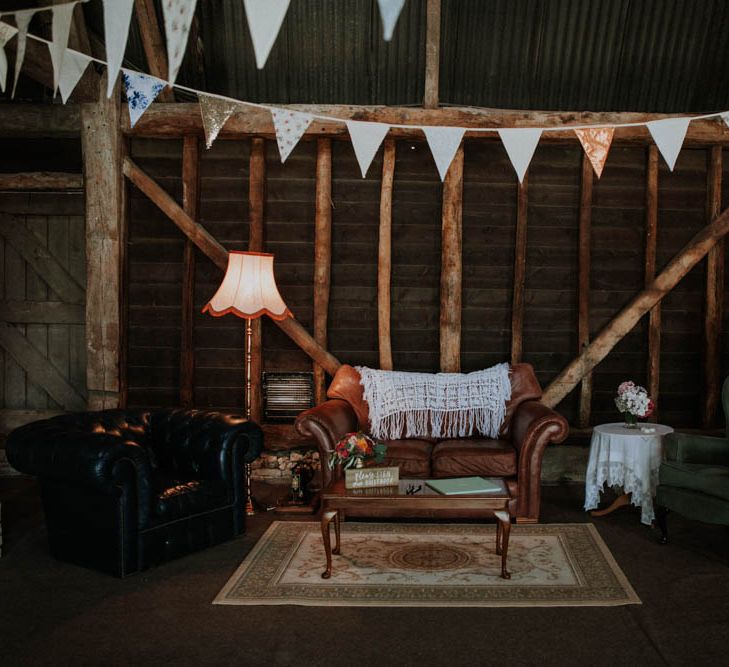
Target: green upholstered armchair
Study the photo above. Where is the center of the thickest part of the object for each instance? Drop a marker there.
(694, 478)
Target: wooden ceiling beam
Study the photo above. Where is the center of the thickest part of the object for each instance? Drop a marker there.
(432, 55)
(154, 46)
(165, 120)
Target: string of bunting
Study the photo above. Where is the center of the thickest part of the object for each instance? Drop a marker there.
(290, 125)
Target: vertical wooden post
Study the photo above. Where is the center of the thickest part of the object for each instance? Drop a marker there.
(651, 240)
(384, 257)
(432, 54)
(714, 311)
(190, 204)
(256, 209)
(451, 267)
(322, 255)
(517, 305)
(583, 286)
(103, 149)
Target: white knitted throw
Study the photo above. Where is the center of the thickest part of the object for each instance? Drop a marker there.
(442, 405)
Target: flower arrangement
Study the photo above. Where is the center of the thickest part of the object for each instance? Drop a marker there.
(354, 448)
(633, 401)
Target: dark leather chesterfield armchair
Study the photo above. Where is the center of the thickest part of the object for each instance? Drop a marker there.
(124, 490)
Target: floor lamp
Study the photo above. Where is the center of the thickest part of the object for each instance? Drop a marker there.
(249, 291)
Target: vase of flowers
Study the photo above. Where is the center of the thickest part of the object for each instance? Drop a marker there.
(634, 403)
(354, 448)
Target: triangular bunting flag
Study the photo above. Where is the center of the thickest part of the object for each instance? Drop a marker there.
(74, 66)
(669, 135)
(389, 12)
(141, 91)
(215, 112)
(62, 15)
(264, 21)
(443, 142)
(178, 16)
(290, 126)
(725, 117)
(117, 14)
(22, 21)
(520, 144)
(596, 144)
(366, 139)
(7, 32)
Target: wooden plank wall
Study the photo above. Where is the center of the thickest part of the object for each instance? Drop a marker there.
(550, 327)
(55, 329)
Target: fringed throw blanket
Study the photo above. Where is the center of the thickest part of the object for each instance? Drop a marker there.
(442, 405)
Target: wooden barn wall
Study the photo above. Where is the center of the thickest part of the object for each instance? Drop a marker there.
(489, 212)
(51, 224)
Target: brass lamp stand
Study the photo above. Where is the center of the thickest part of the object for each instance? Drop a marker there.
(249, 291)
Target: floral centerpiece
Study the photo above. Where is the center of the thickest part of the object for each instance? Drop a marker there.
(352, 450)
(633, 401)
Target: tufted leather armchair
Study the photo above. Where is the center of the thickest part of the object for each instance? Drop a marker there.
(124, 490)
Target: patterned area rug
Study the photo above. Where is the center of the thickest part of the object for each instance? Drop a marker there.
(430, 565)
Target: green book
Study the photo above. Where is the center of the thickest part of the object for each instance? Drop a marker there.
(463, 486)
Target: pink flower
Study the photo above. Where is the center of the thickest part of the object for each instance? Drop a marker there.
(625, 386)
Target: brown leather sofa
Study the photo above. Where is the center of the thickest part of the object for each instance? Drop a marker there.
(516, 455)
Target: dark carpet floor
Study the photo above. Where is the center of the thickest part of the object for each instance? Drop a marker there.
(57, 614)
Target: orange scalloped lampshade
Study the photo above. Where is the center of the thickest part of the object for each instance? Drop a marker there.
(248, 289)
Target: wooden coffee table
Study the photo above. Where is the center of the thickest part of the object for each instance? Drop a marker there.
(336, 500)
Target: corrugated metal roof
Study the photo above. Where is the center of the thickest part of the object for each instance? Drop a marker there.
(597, 55)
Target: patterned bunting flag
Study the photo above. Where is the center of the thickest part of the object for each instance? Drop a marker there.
(290, 127)
(62, 15)
(7, 32)
(215, 112)
(178, 16)
(117, 15)
(22, 21)
(669, 134)
(74, 66)
(520, 144)
(389, 12)
(141, 90)
(443, 142)
(264, 21)
(366, 140)
(596, 144)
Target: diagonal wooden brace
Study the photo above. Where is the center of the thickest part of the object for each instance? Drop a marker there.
(219, 256)
(692, 253)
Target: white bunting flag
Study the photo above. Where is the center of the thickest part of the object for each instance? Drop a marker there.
(178, 16)
(443, 142)
(389, 12)
(264, 21)
(117, 15)
(62, 15)
(22, 21)
(141, 90)
(7, 32)
(669, 135)
(366, 140)
(74, 66)
(290, 127)
(520, 144)
(215, 112)
(725, 117)
(596, 144)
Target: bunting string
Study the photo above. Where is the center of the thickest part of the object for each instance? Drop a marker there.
(290, 124)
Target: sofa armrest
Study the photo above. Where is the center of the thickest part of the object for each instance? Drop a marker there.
(326, 424)
(534, 426)
(690, 448)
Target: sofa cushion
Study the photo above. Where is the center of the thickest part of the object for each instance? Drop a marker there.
(411, 455)
(710, 479)
(177, 498)
(473, 456)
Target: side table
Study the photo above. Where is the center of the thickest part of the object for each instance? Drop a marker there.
(627, 457)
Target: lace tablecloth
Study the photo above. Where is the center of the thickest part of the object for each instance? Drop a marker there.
(628, 458)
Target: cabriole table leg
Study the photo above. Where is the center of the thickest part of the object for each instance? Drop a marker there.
(326, 519)
(503, 528)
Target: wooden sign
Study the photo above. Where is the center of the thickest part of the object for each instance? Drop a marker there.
(364, 478)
